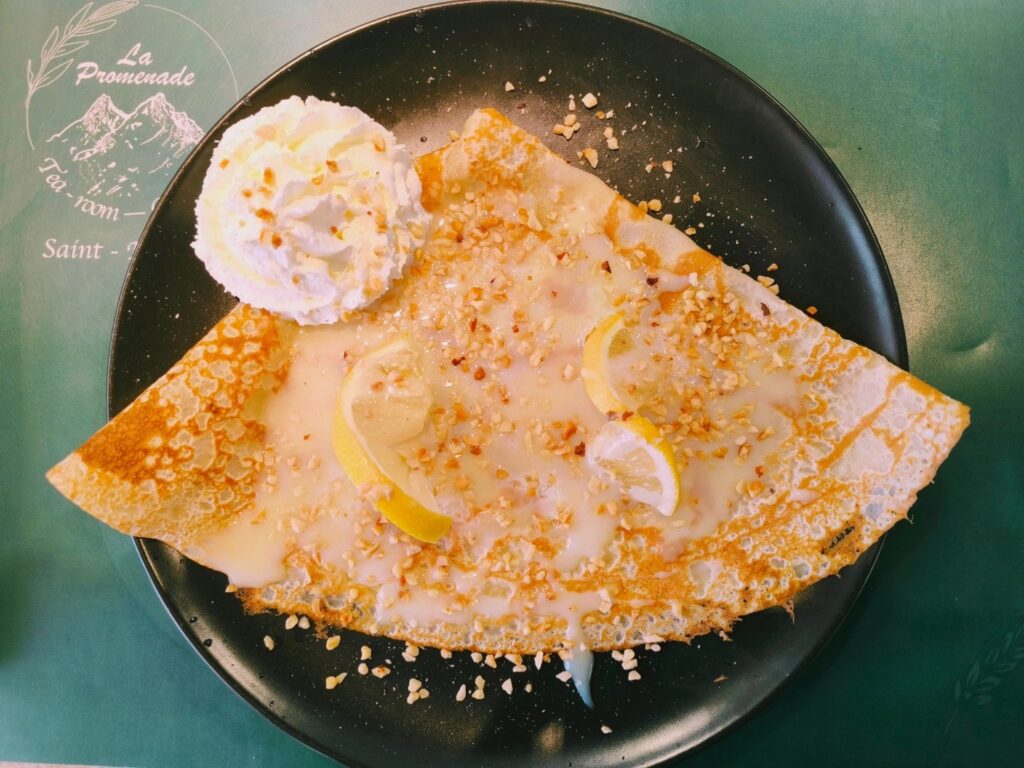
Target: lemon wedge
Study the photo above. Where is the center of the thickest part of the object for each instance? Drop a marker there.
(607, 342)
(383, 402)
(635, 455)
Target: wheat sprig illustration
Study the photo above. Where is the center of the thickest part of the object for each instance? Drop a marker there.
(989, 670)
(54, 58)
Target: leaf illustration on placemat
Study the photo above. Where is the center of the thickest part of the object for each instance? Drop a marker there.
(991, 669)
(54, 57)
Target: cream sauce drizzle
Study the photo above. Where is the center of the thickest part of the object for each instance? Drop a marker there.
(305, 500)
(581, 667)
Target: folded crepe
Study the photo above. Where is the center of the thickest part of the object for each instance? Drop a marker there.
(796, 449)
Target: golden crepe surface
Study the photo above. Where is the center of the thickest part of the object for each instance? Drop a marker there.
(797, 449)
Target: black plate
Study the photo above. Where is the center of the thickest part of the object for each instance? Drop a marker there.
(768, 194)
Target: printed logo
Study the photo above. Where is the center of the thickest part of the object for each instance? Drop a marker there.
(114, 150)
(55, 58)
(115, 100)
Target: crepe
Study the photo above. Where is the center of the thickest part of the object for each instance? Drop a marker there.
(797, 449)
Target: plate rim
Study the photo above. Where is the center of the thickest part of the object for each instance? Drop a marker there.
(869, 558)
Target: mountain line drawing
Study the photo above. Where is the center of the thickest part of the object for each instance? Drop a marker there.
(115, 150)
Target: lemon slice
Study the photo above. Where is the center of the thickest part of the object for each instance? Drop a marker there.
(634, 453)
(607, 342)
(383, 402)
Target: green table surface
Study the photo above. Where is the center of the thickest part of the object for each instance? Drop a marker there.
(921, 105)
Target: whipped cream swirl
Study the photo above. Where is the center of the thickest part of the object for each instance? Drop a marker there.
(310, 210)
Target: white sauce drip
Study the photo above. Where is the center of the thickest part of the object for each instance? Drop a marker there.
(581, 666)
